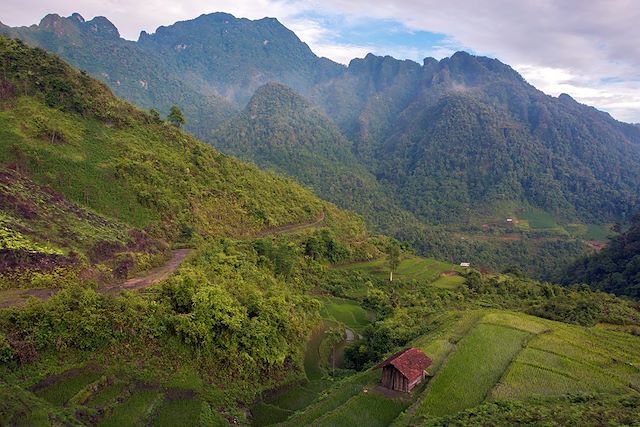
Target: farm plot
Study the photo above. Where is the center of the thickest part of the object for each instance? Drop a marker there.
(346, 312)
(472, 370)
(60, 389)
(449, 282)
(365, 409)
(572, 359)
(410, 268)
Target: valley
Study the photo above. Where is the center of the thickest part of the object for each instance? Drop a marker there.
(396, 141)
(296, 232)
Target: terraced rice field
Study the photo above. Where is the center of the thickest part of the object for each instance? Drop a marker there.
(119, 401)
(478, 356)
(280, 405)
(503, 355)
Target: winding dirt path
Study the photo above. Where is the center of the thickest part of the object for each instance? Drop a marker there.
(18, 297)
(152, 277)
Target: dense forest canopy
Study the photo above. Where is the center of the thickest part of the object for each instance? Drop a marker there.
(615, 269)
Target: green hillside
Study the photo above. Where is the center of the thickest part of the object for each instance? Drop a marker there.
(615, 269)
(131, 72)
(95, 191)
(430, 153)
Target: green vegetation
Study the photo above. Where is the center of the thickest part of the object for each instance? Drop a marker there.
(370, 409)
(537, 219)
(109, 141)
(410, 268)
(615, 269)
(449, 282)
(175, 411)
(346, 312)
(60, 392)
(579, 409)
(473, 369)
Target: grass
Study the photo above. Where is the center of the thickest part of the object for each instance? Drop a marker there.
(346, 312)
(410, 268)
(134, 411)
(449, 282)
(264, 414)
(178, 412)
(539, 220)
(312, 365)
(334, 398)
(572, 359)
(295, 398)
(107, 395)
(473, 369)
(60, 392)
(365, 409)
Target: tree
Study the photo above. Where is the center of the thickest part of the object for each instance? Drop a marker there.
(393, 258)
(155, 115)
(175, 117)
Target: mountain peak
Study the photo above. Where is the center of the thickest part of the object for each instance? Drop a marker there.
(102, 26)
(564, 97)
(273, 94)
(50, 20)
(77, 17)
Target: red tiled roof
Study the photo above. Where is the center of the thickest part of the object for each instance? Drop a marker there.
(410, 362)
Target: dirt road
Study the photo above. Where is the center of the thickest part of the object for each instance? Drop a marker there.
(16, 297)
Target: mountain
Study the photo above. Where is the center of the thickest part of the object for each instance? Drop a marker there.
(457, 135)
(232, 57)
(438, 154)
(84, 174)
(132, 73)
(615, 269)
(281, 130)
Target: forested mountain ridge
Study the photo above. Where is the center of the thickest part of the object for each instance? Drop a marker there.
(281, 130)
(615, 269)
(137, 75)
(469, 131)
(458, 143)
(232, 56)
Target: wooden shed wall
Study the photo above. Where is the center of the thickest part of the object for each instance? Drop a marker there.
(394, 380)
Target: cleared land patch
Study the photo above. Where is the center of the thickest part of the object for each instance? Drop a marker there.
(410, 268)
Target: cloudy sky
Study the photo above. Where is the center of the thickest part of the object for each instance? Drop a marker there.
(588, 49)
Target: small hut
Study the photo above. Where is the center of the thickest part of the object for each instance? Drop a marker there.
(404, 370)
